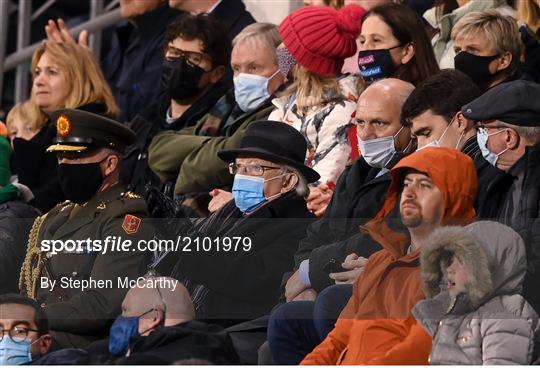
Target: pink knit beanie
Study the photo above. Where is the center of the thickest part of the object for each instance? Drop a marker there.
(320, 37)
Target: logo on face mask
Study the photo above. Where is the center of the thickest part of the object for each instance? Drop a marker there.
(376, 64)
(251, 90)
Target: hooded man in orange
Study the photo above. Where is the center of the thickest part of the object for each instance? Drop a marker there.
(433, 187)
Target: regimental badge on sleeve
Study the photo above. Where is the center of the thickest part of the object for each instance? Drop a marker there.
(131, 224)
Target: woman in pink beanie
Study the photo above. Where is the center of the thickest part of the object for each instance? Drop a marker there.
(320, 101)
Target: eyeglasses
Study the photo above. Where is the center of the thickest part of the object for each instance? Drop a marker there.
(17, 333)
(193, 58)
(486, 127)
(250, 169)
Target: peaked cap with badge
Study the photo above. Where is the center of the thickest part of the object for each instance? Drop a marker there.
(78, 131)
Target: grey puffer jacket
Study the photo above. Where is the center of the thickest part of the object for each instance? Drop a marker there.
(490, 323)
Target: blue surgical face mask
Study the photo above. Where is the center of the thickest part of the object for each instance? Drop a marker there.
(248, 191)
(482, 137)
(251, 90)
(122, 330)
(15, 353)
(379, 151)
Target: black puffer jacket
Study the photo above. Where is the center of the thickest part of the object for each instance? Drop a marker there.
(16, 219)
(358, 197)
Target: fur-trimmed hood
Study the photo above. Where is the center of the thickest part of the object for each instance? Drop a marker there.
(493, 253)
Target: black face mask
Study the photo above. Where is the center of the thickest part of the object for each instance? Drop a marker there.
(376, 64)
(180, 79)
(476, 67)
(28, 159)
(80, 182)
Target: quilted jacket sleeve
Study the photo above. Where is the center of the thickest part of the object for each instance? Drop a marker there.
(507, 341)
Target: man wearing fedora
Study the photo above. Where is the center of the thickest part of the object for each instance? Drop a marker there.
(241, 281)
(76, 280)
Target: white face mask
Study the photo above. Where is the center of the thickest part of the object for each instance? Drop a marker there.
(437, 142)
(379, 151)
(482, 138)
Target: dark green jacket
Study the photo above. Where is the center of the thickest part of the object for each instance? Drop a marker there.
(192, 160)
(79, 317)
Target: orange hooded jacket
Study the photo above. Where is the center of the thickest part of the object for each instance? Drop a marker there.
(376, 326)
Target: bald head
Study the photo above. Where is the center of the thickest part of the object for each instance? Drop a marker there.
(391, 89)
(379, 109)
(158, 301)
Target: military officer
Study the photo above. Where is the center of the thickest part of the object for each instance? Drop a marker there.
(74, 265)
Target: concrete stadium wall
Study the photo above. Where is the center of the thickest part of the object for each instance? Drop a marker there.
(272, 11)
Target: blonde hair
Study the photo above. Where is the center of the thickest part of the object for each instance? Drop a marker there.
(86, 81)
(529, 13)
(29, 113)
(311, 89)
(336, 4)
(500, 30)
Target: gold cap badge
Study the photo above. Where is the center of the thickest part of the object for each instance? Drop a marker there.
(63, 126)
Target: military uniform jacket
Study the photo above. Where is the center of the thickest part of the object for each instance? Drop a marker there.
(78, 316)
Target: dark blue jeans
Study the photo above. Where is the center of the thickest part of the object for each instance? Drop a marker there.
(296, 328)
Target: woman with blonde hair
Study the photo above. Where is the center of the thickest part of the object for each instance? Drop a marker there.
(528, 17)
(336, 4)
(321, 100)
(444, 15)
(68, 76)
(64, 76)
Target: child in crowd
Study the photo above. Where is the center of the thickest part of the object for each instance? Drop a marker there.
(321, 100)
(472, 280)
(24, 121)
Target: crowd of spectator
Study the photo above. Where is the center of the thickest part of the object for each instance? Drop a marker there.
(359, 184)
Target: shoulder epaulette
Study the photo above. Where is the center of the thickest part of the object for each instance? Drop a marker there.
(130, 195)
(62, 205)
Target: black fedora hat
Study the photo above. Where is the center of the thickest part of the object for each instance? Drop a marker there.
(274, 141)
